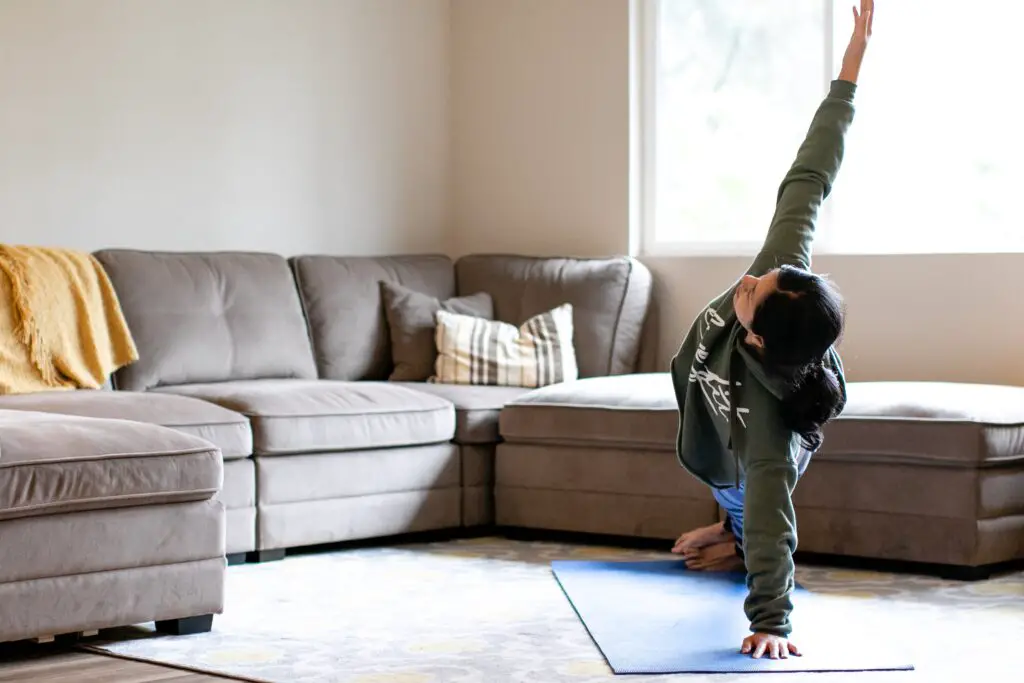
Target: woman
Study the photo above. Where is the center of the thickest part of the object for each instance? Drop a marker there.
(757, 378)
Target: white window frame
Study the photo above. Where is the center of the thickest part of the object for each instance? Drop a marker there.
(644, 58)
(643, 158)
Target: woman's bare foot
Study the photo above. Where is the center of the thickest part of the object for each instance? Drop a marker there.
(701, 538)
(720, 557)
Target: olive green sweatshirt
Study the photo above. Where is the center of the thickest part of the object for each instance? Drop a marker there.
(730, 428)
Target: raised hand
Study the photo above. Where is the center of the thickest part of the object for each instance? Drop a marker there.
(862, 23)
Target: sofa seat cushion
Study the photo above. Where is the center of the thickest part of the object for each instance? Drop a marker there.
(633, 411)
(63, 463)
(224, 428)
(916, 423)
(929, 423)
(307, 416)
(476, 408)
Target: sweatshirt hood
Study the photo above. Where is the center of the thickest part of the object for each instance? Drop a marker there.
(780, 386)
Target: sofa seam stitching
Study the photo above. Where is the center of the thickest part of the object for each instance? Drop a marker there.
(106, 499)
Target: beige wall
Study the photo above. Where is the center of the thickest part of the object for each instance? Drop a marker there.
(954, 318)
(306, 126)
(283, 125)
(540, 121)
(541, 139)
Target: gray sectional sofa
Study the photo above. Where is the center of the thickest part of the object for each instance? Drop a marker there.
(301, 350)
(262, 409)
(265, 414)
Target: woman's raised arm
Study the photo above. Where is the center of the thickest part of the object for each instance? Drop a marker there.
(809, 180)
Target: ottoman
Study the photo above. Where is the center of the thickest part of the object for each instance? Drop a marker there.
(597, 456)
(921, 472)
(926, 472)
(106, 523)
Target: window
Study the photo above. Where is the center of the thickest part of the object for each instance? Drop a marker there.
(933, 159)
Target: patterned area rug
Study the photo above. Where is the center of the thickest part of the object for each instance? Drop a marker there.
(490, 611)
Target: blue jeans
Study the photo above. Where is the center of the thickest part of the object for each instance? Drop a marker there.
(731, 499)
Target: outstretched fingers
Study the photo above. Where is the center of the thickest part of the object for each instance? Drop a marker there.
(864, 18)
(759, 645)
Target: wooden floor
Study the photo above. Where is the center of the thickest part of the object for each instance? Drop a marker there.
(49, 664)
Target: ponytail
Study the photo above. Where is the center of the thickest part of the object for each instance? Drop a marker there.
(799, 323)
(818, 398)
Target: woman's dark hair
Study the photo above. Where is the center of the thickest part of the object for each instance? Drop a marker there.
(799, 322)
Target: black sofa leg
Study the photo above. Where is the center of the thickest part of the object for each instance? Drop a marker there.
(260, 556)
(186, 627)
(236, 558)
(968, 574)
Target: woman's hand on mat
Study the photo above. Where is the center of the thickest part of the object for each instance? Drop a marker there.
(759, 644)
(862, 22)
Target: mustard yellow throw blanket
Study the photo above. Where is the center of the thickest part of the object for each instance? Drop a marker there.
(61, 325)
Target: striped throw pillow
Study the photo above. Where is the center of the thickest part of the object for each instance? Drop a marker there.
(473, 350)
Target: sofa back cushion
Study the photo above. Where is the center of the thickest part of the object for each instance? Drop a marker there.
(342, 299)
(209, 317)
(610, 298)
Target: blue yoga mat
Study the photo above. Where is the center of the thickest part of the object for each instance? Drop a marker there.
(660, 618)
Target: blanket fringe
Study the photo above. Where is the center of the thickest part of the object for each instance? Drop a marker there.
(26, 328)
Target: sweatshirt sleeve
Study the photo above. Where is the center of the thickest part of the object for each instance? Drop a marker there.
(769, 541)
(808, 182)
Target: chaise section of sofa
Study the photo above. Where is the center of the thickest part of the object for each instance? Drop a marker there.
(229, 431)
(922, 472)
(106, 523)
(929, 472)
